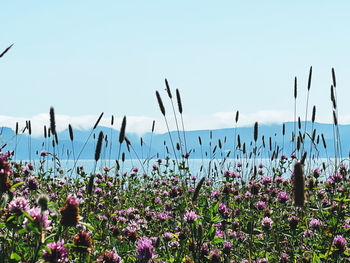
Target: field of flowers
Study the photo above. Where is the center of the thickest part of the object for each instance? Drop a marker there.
(169, 215)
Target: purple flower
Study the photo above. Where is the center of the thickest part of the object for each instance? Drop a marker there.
(175, 180)
(174, 244)
(222, 208)
(41, 220)
(32, 183)
(43, 153)
(284, 258)
(266, 180)
(248, 195)
(227, 247)
(316, 172)
(214, 256)
(18, 205)
(283, 197)
(308, 233)
(110, 257)
(336, 178)
(223, 211)
(26, 170)
(266, 223)
(162, 216)
(145, 250)
(263, 260)
(283, 157)
(339, 242)
(279, 179)
(190, 216)
(261, 205)
(58, 253)
(168, 236)
(315, 223)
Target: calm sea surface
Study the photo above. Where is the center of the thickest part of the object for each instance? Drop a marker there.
(197, 167)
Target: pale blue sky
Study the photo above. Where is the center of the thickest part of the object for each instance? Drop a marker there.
(85, 57)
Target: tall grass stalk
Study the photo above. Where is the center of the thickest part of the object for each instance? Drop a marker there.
(162, 109)
(121, 135)
(86, 141)
(307, 107)
(111, 142)
(175, 117)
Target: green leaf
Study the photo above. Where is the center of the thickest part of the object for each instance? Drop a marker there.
(28, 216)
(215, 219)
(22, 231)
(15, 256)
(10, 218)
(16, 185)
(218, 240)
(90, 227)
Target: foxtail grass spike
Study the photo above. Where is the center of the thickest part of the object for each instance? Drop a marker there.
(179, 103)
(313, 114)
(168, 89)
(198, 188)
(5, 51)
(45, 131)
(263, 141)
(98, 121)
(237, 116)
(256, 131)
(29, 128)
(303, 158)
(153, 124)
(335, 120)
(299, 185)
(117, 165)
(122, 130)
(309, 81)
(160, 103)
(112, 120)
(71, 135)
(52, 121)
(333, 98)
(295, 88)
(16, 128)
(98, 146)
(333, 78)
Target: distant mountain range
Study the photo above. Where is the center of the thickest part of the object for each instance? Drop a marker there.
(154, 145)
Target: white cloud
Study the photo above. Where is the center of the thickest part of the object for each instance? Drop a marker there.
(143, 124)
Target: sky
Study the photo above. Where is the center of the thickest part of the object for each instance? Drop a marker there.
(87, 57)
